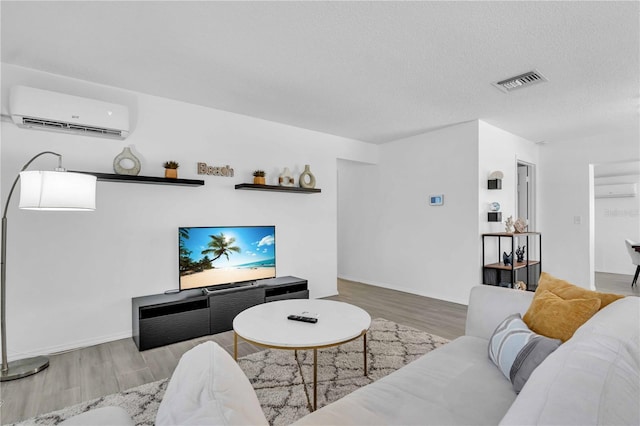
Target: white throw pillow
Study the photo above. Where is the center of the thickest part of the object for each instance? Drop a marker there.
(208, 387)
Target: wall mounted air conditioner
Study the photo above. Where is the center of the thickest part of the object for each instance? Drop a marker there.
(46, 110)
(620, 190)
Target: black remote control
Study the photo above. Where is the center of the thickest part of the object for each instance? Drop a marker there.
(303, 319)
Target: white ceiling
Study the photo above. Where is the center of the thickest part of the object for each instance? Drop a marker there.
(373, 71)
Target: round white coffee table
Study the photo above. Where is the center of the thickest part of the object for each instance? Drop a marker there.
(267, 325)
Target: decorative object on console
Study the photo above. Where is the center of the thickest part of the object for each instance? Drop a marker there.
(520, 225)
(507, 259)
(508, 225)
(171, 169)
(306, 174)
(520, 253)
(258, 177)
(124, 158)
(56, 191)
(286, 178)
(520, 285)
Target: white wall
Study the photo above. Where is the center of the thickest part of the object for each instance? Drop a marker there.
(564, 179)
(616, 219)
(71, 276)
(390, 235)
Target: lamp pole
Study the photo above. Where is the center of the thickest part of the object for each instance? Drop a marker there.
(24, 367)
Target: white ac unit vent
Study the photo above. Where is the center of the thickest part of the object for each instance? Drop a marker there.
(45, 110)
(520, 81)
(621, 190)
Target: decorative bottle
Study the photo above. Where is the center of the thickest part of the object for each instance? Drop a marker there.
(285, 178)
(307, 175)
(125, 155)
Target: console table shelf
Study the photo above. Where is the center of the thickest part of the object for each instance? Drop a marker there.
(517, 265)
(507, 275)
(110, 177)
(277, 188)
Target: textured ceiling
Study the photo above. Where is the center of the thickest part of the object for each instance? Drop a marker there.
(373, 71)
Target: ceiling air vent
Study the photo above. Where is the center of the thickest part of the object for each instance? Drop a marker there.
(520, 81)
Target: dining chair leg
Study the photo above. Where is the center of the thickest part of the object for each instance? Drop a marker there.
(635, 277)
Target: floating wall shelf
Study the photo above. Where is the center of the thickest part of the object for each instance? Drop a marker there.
(109, 177)
(494, 184)
(277, 188)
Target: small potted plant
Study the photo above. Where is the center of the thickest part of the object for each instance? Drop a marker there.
(171, 169)
(258, 177)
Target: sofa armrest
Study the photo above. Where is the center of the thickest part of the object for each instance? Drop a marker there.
(489, 305)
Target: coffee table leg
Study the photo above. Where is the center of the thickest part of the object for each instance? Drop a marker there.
(235, 346)
(364, 338)
(315, 379)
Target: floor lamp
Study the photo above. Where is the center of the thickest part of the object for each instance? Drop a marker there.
(41, 190)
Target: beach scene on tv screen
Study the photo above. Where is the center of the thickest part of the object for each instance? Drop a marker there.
(212, 256)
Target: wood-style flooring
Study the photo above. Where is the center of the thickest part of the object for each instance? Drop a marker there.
(100, 370)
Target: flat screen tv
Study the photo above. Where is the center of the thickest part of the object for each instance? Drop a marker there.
(215, 256)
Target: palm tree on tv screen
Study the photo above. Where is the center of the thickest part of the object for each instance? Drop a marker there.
(220, 245)
(185, 253)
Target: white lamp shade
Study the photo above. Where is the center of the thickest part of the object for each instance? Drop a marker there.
(40, 190)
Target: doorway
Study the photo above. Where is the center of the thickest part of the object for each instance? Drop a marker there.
(525, 196)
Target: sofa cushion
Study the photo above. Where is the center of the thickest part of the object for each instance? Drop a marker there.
(568, 291)
(208, 387)
(517, 351)
(592, 379)
(454, 384)
(554, 317)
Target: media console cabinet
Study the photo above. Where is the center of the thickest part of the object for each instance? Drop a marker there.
(162, 319)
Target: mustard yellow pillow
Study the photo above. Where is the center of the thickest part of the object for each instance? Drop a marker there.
(554, 317)
(568, 291)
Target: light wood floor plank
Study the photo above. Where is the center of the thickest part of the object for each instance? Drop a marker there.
(135, 378)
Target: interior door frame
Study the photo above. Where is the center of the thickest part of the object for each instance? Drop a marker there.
(531, 196)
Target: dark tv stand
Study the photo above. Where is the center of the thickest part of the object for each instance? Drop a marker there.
(162, 319)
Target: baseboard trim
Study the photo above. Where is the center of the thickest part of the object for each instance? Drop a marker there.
(397, 288)
(70, 346)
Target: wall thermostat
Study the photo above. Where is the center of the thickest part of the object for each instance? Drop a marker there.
(436, 200)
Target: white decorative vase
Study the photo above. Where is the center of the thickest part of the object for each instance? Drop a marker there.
(285, 178)
(125, 155)
(307, 179)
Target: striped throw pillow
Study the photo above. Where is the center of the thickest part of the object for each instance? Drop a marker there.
(517, 351)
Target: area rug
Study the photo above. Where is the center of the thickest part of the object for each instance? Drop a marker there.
(284, 384)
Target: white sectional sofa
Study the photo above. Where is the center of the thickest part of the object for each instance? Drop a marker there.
(593, 378)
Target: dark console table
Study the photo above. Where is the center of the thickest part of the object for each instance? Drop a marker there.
(162, 319)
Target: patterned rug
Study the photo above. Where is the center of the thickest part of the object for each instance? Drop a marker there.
(283, 384)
